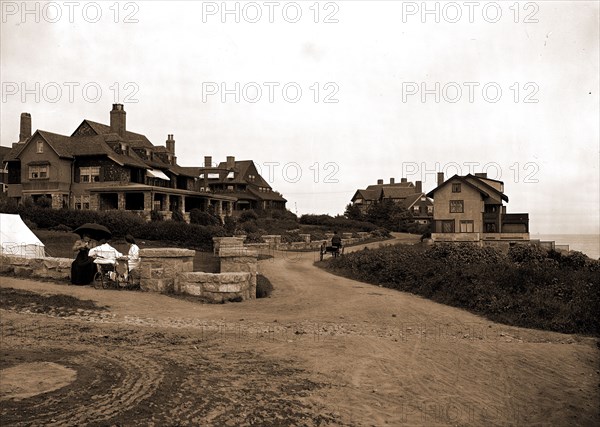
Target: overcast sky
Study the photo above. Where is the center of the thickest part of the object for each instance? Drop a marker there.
(519, 99)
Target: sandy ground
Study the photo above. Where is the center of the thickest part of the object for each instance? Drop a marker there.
(323, 350)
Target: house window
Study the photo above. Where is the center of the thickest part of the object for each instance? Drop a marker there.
(38, 172)
(448, 226)
(82, 202)
(456, 188)
(466, 226)
(40, 146)
(429, 209)
(416, 209)
(230, 175)
(90, 174)
(457, 206)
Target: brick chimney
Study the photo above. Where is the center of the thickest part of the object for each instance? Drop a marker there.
(440, 178)
(207, 161)
(117, 120)
(481, 175)
(170, 144)
(418, 187)
(392, 180)
(403, 180)
(230, 162)
(25, 131)
(380, 182)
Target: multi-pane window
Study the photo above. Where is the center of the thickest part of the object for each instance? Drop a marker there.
(466, 226)
(40, 146)
(82, 202)
(38, 172)
(457, 206)
(89, 174)
(456, 188)
(448, 226)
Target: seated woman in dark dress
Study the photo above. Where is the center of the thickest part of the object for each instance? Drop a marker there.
(83, 268)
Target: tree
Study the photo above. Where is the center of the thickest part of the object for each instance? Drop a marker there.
(390, 215)
(353, 212)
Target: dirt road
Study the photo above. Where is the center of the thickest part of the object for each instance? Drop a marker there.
(323, 350)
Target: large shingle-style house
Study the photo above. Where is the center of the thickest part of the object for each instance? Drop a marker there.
(104, 167)
(239, 179)
(470, 208)
(408, 195)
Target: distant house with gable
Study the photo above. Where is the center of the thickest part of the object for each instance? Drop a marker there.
(408, 195)
(470, 208)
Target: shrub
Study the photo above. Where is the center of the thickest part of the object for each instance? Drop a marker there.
(32, 225)
(264, 287)
(526, 253)
(177, 216)
(249, 215)
(62, 227)
(44, 202)
(255, 237)
(230, 225)
(291, 237)
(203, 218)
(155, 215)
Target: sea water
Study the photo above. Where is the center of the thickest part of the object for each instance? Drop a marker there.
(589, 244)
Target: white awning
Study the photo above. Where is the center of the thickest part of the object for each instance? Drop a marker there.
(157, 174)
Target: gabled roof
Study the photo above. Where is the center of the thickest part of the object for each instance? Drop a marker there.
(397, 192)
(410, 201)
(3, 152)
(484, 189)
(132, 138)
(366, 195)
(267, 195)
(241, 170)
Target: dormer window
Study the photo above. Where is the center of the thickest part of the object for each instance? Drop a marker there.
(456, 188)
(40, 147)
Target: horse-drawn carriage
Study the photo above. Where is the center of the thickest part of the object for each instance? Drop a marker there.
(334, 250)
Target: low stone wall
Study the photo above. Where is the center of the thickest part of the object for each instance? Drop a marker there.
(43, 268)
(171, 270)
(227, 242)
(160, 266)
(235, 260)
(216, 288)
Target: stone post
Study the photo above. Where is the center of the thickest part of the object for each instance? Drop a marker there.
(240, 260)
(160, 266)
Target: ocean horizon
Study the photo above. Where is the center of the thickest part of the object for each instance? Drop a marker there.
(589, 244)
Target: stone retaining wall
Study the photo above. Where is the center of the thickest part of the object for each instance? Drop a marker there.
(160, 266)
(44, 268)
(171, 270)
(216, 288)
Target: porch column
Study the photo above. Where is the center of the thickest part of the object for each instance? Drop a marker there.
(121, 201)
(147, 201)
(165, 205)
(220, 208)
(182, 204)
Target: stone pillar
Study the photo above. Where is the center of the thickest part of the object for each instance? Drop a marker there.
(57, 200)
(121, 201)
(306, 237)
(160, 266)
(148, 201)
(182, 204)
(166, 203)
(240, 260)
